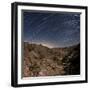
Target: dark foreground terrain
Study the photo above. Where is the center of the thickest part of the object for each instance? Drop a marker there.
(43, 61)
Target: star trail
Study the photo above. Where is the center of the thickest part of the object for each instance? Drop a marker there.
(53, 29)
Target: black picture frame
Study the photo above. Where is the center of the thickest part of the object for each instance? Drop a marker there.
(14, 43)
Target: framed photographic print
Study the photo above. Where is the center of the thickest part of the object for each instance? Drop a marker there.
(49, 44)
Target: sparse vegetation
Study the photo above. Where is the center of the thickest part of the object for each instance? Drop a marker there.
(43, 61)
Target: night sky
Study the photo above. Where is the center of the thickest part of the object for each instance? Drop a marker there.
(60, 29)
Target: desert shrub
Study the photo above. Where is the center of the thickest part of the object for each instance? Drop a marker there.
(55, 58)
(31, 47)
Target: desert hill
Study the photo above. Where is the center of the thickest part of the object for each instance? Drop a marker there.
(40, 60)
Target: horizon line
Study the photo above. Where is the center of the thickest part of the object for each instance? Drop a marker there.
(51, 46)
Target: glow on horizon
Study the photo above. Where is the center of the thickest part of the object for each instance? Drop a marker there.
(46, 44)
